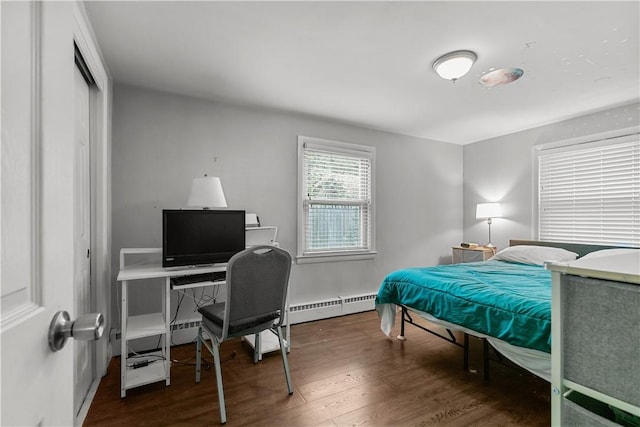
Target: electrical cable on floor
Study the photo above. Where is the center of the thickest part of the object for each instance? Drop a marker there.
(136, 354)
(191, 360)
(145, 356)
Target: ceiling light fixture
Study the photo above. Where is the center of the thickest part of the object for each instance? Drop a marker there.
(454, 65)
(501, 77)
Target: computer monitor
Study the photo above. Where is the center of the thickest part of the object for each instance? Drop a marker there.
(198, 237)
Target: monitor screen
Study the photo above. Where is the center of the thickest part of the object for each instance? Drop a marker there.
(196, 237)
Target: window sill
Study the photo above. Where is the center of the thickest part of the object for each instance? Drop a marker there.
(335, 257)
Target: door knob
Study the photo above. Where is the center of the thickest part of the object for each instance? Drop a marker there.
(87, 327)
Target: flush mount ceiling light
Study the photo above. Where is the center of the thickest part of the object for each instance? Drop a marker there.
(501, 77)
(454, 65)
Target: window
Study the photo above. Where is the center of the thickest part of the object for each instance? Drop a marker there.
(590, 193)
(335, 200)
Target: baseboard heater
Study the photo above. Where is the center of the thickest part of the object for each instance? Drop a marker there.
(333, 307)
(185, 331)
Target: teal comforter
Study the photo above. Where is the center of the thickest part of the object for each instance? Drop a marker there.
(504, 300)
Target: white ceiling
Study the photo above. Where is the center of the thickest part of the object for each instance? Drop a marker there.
(369, 63)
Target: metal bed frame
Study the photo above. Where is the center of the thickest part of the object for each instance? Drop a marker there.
(580, 249)
(406, 317)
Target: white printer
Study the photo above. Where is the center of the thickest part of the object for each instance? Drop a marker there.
(257, 234)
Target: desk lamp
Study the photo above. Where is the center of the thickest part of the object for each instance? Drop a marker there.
(206, 192)
(488, 211)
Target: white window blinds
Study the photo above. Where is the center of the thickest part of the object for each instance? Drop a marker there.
(337, 206)
(591, 193)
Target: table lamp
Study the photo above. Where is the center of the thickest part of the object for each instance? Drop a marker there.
(488, 211)
(206, 192)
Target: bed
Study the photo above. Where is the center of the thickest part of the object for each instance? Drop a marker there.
(506, 301)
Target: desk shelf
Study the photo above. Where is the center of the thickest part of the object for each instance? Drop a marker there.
(132, 271)
(146, 325)
(151, 373)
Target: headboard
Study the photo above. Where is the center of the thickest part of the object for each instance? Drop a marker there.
(579, 248)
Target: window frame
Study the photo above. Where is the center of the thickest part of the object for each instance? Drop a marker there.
(303, 256)
(620, 136)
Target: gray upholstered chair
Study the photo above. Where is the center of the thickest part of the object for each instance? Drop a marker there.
(257, 281)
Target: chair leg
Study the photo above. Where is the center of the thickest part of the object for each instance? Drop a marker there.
(198, 353)
(285, 361)
(215, 346)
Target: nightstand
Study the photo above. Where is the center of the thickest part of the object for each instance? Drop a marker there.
(478, 253)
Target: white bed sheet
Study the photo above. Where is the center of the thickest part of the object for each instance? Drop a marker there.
(534, 361)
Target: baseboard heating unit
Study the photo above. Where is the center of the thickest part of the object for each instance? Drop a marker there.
(333, 307)
(185, 331)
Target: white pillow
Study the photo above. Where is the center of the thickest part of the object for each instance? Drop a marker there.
(608, 252)
(538, 255)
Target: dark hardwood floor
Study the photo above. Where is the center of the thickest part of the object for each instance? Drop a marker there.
(345, 371)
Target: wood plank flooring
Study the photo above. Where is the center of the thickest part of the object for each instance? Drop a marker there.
(345, 372)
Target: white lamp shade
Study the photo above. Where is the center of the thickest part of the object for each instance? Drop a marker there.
(488, 210)
(207, 192)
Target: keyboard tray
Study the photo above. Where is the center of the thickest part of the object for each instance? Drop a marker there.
(190, 281)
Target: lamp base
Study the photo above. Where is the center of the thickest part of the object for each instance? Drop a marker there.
(489, 245)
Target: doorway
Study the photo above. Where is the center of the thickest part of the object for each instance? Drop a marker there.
(84, 351)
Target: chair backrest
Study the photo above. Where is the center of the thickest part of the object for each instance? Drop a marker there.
(257, 282)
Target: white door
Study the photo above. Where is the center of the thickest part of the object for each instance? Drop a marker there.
(84, 350)
(36, 211)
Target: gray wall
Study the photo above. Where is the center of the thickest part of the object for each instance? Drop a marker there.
(501, 170)
(162, 141)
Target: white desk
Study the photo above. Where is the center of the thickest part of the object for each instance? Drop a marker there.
(152, 324)
(158, 324)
